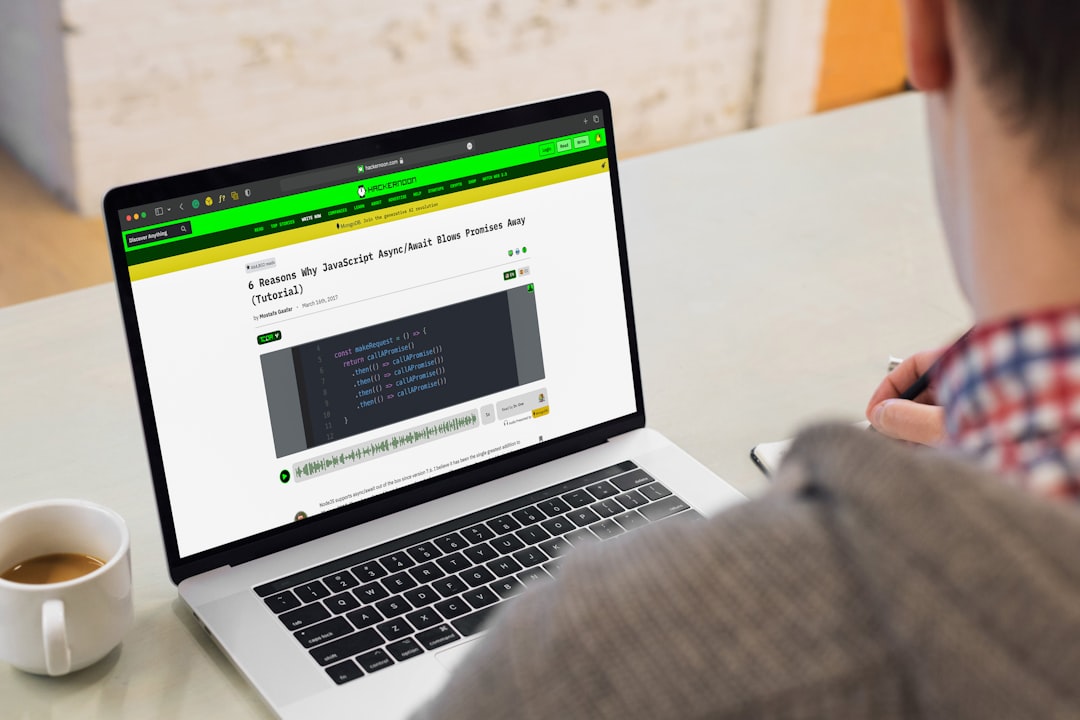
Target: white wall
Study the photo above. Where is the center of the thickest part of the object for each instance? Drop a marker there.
(162, 86)
(791, 56)
(33, 91)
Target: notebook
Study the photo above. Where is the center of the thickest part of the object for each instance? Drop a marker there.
(387, 386)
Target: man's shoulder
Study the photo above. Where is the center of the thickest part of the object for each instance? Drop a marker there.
(975, 580)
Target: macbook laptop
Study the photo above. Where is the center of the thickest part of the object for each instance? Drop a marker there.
(387, 386)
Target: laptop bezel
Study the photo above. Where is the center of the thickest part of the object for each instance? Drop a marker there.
(240, 173)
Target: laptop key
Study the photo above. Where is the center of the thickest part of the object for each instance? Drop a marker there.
(346, 647)
(631, 520)
(606, 529)
(654, 491)
(371, 592)
(304, 616)
(481, 553)
(323, 632)
(507, 544)
(343, 672)
(340, 581)
(631, 500)
(477, 533)
(533, 576)
(477, 576)
(399, 582)
(449, 586)
(506, 587)
(504, 524)
(395, 629)
(528, 516)
(606, 508)
(602, 489)
(451, 543)
(454, 562)
(474, 622)
(452, 608)
(424, 552)
(404, 649)
(421, 596)
(504, 566)
(480, 597)
(583, 517)
(558, 526)
(437, 636)
(393, 606)
(632, 479)
(554, 566)
(663, 508)
(314, 590)
(427, 572)
(374, 660)
(530, 556)
(554, 507)
(533, 535)
(341, 602)
(581, 536)
(369, 571)
(397, 561)
(424, 618)
(282, 601)
(555, 547)
(578, 498)
(365, 617)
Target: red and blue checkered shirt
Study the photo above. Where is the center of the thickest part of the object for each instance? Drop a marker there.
(1011, 392)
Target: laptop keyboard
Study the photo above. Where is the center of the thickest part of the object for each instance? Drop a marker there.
(387, 604)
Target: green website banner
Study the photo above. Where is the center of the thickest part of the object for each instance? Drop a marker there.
(378, 192)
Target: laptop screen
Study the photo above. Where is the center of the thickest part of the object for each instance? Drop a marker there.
(321, 337)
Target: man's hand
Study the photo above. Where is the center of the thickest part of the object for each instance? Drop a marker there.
(922, 420)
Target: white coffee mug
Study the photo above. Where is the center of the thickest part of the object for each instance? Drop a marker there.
(57, 628)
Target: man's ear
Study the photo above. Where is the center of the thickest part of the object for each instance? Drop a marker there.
(926, 38)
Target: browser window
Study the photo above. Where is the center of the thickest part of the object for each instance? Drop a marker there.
(310, 350)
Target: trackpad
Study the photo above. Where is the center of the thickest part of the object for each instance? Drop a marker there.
(451, 658)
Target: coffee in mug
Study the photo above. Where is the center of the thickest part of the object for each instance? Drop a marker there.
(51, 568)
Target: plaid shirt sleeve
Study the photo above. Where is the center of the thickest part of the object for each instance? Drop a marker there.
(1011, 392)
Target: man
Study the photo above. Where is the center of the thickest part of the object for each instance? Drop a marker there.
(875, 580)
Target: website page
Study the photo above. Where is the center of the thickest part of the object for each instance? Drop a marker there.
(318, 349)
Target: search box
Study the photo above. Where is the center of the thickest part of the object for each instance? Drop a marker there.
(165, 232)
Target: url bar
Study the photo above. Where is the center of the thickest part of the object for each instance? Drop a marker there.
(378, 166)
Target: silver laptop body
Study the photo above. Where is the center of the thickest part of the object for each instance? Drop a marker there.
(347, 356)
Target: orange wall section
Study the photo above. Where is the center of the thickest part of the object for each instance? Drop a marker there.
(862, 53)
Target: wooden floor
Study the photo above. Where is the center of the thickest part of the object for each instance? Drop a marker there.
(44, 247)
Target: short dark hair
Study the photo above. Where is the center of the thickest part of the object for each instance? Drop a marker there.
(1028, 53)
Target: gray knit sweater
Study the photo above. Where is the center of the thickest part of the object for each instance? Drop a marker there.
(871, 581)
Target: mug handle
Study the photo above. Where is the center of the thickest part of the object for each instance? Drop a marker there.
(54, 630)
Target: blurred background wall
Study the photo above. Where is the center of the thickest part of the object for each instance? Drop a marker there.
(96, 93)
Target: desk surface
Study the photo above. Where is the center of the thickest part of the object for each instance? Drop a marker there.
(773, 273)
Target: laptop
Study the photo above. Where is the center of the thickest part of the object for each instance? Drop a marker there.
(388, 385)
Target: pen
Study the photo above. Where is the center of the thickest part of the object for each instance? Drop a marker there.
(918, 387)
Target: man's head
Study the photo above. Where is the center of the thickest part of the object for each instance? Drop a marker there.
(1003, 84)
(1027, 55)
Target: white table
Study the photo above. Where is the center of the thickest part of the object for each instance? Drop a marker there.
(774, 272)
